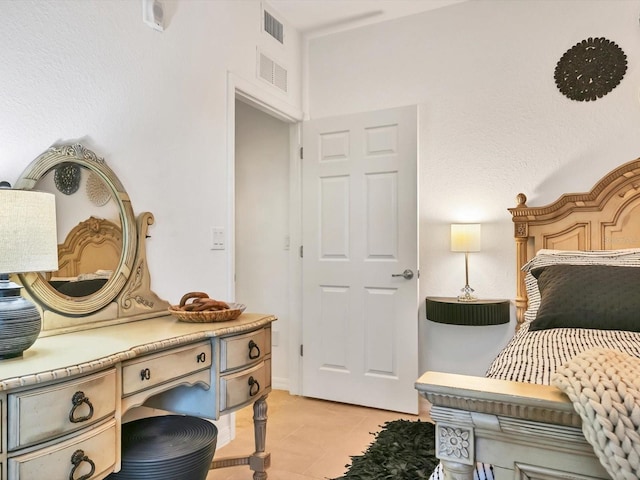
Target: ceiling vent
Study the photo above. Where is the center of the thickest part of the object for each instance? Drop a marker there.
(273, 27)
(272, 72)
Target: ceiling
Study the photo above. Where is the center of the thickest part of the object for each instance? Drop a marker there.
(317, 17)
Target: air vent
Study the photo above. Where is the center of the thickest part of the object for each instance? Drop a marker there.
(273, 27)
(280, 77)
(272, 72)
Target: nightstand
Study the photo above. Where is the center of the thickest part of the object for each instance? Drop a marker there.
(475, 313)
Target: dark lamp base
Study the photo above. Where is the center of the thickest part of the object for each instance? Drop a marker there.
(20, 323)
(13, 355)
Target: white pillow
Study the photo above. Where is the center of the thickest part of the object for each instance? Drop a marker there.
(628, 257)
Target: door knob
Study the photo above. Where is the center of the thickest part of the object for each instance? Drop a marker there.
(407, 274)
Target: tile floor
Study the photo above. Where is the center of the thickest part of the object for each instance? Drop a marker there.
(308, 439)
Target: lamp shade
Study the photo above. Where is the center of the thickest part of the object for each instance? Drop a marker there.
(465, 237)
(28, 238)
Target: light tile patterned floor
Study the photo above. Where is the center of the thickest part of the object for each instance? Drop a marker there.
(308, 439)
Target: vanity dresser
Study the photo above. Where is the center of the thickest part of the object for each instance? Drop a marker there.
(103, 354)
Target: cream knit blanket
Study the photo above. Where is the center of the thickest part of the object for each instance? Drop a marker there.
(604, 386)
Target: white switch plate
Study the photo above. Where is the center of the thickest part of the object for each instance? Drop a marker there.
(217, 238)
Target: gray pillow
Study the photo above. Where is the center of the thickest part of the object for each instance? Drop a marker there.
(628, 257)
(603, 297)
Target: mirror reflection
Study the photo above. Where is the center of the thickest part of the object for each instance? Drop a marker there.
(89, 230)
(102, 277)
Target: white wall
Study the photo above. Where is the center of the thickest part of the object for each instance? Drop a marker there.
(262, 225)
(492, 124)
(154, 104)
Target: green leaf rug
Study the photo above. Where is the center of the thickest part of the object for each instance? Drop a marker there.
(402, 450)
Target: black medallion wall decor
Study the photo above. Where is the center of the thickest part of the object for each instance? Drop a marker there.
(67, 178)
(590, 69)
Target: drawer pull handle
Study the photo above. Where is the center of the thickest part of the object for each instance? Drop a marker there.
(76, 459)
(201, 358)
(253, 383)
(254, 350)
(77, 400)
(145, 374)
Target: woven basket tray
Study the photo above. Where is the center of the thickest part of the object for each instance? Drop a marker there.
(233, 312)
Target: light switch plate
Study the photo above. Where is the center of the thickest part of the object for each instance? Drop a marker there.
(217, 238)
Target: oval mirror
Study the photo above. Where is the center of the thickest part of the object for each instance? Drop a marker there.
(97, 246)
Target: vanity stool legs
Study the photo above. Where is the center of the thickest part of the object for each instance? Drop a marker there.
(260, 460)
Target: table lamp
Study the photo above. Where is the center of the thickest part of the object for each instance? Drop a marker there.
(28, 243)
(465, 237)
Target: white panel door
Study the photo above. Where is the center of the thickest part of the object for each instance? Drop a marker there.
(360, 233)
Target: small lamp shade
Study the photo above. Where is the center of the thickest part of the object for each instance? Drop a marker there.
(465, 237)
(27, 231)
(28, 243)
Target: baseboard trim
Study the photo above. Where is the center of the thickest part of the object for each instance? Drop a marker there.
(226, 429)
(280, 383)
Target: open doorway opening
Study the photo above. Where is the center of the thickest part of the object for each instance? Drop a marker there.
(262, 222)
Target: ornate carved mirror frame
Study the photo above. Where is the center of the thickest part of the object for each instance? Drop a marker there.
(126, 296)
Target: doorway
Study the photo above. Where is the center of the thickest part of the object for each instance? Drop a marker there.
(267, 229)
(262, 237)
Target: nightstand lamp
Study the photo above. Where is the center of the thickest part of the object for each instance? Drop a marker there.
(465, 237)
(28, 243)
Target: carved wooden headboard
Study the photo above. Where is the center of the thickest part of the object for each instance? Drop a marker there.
(605, 218)
(92, 245)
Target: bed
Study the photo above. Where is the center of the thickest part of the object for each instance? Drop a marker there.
(87, 258)
(561, 400)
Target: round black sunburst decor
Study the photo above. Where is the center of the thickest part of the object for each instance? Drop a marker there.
(590, 69)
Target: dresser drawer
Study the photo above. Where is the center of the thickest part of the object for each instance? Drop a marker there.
(153, 370)
(245, 386)
(241, 350)
(98, 447)
(43, 413)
